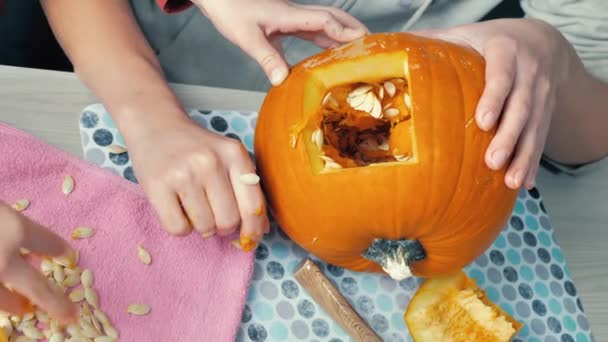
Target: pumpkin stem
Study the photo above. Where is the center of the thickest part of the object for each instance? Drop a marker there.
(395, 256)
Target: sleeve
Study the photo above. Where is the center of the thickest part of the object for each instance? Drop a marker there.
(172, 6)
(584, 25)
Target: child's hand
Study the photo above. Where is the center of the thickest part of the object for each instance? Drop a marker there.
(192, 179)
(527, 63)
(257, 26)
(17, 231)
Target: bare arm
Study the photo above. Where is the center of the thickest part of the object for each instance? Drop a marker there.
(112, 57)
(579, 128)
(580, 119)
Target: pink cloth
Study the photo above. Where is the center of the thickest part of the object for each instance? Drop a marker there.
(195, 287)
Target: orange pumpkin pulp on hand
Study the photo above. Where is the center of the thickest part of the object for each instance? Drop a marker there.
(371, 158)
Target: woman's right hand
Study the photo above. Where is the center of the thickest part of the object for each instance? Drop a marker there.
(193, 179)
(17, 231)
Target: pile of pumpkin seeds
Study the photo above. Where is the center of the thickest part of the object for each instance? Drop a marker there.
(66, 276)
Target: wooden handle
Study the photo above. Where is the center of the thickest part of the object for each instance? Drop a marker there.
(332, 301)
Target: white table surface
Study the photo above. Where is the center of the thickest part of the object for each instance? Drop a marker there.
(47, 104)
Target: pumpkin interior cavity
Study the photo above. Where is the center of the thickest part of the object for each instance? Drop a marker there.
(364, 123)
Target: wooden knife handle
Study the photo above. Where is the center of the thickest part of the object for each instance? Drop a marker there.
(331, 300)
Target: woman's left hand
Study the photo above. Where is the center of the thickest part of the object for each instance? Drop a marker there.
(527, 63)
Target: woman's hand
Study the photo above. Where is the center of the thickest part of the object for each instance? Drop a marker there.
(17, 231)
(192, 178)
(527, 64)
(257, 26)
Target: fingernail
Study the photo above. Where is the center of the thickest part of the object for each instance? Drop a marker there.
(248, 244)
(516, 179)
(487, 120)
(498, 158)
(354, 33)
(207, 235)
(278, 76)
(259, 211)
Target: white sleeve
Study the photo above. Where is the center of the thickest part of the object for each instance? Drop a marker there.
(583, 22)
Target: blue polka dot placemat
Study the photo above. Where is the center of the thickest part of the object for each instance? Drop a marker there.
(523, 271)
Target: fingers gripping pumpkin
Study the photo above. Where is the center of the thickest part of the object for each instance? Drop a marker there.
(371, 158)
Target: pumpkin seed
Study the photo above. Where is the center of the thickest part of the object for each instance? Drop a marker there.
(117, 149)
(69, 271)
(23, 339)
(47, 333)
(110, 331)
(21, 205)
(390, 88)
(101, 317)
(67, 186)
(327, 159)
(86, 278)
(103, 339)
(88, 330)
(6, 325)
(391, 112)
(67, 260)
(91, 296)
(293, 140)
(55, 328)
(138, 309)
(58, 274)
(57, 337)
(364, 89)
(329, 99)
(380, 92)
(249, 179)
(28, 316)
(77, 295)
(32, 332)
(74, 330)
(236, 243)
(82, 233)
(42, 316)
(332, 165)
(71, 280)
(207, 235)
(97, 325)
(144, 255)
(356, 101)
(86, 310)
(368, 103)
(407, 100)
(384, 146)
(46, 266)
(376, 110)
(318, 139)
(402, 157)
(15, 319)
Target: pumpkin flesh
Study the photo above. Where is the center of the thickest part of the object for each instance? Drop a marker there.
(442, 195)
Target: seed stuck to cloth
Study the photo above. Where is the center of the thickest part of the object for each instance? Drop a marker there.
(144, 255)
(67, 186)
(138, 309)
(21, 205)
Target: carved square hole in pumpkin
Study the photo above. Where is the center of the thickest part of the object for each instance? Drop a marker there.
(365, 123)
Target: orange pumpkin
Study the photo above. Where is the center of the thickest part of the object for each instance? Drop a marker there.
(371, 158)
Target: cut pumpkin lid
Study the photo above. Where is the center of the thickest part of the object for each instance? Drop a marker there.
(453, 309)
